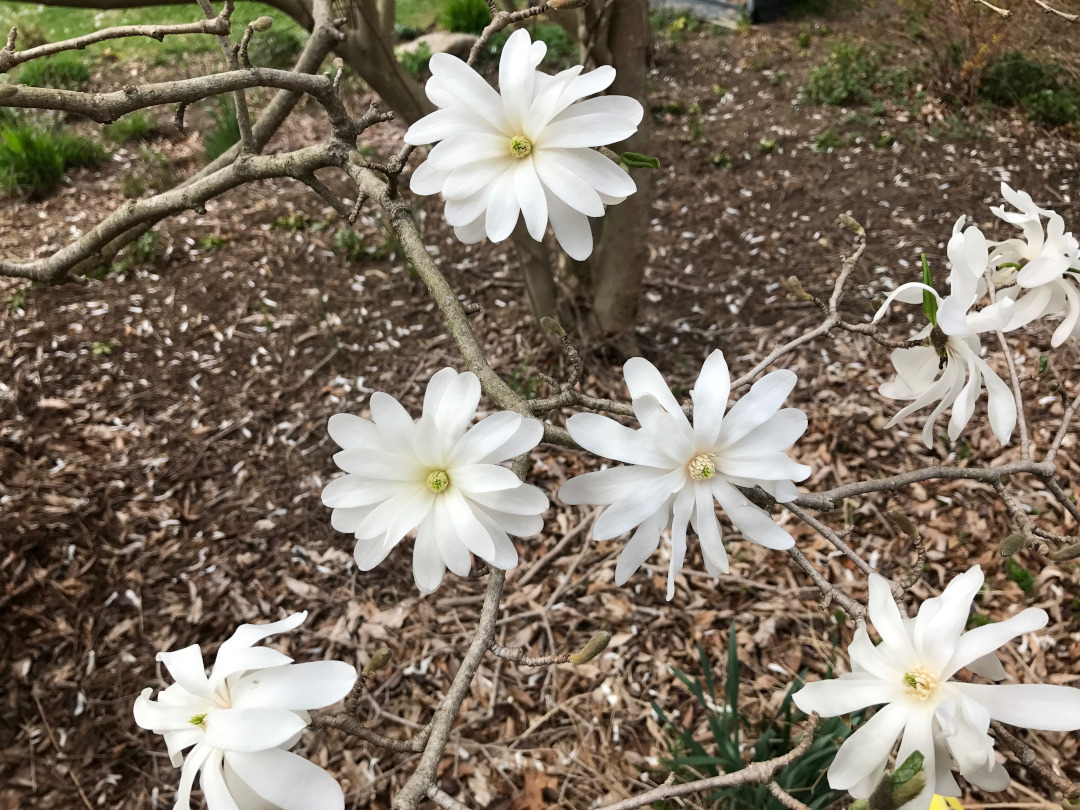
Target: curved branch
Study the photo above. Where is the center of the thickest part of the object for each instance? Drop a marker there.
(756, 772)
(9, 58)
(826, 501)
(298, 164)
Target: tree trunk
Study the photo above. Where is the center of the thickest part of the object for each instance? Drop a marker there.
(607, 285)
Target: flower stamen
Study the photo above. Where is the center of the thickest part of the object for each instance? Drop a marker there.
(438, 480)
(520, 146)
(198, 719)
(702, 467)
(920, 683)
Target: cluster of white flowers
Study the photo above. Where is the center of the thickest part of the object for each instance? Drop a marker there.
(1033, 277)
(529, 151)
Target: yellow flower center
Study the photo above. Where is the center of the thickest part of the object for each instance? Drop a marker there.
(920, 683)
(438, 480)
(702, 467)
(198, 719)
(520, 146)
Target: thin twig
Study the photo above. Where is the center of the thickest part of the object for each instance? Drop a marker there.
(1003, 12)
(1028, 759)
(784, 797)
(1051, 10)
(445, 800)
(755, 772)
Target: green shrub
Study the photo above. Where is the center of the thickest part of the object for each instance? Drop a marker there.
(804, 779)
(415, 62)
(33, 159)
(1041, 89)
(277, 48)
(846, 78)
(64, 71)
(465, 16)
(137, 126)
(31, 35)
(224, 129)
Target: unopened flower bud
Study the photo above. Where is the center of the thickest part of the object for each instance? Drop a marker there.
(564, 5)
(903, 523)
(379, 659)
(8, 90)
(902, 794)
(1012, 544)
(853, 226)
(552, 326)
(262, 23)
(597, 644)
(796, 289)
(339, 63)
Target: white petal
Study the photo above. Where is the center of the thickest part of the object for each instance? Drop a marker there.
(889, 623)
(287, 780)
(1000, 403)
(454, 84)
(566, 185)
(428, 565)
(311, 685)
(455, 554)
(606, 437)
(186, 668)
(397, 465)
(476, 478)
(454, 406)
(503, 207)
(638, 505)
(1037, 706)
(428, 179)
(506, 556)
(524, 499)
(642, 378)
(919, 736)
(982, 641)
(768, 466)
(349, 520)
(216, 792)
(682, 508)
(867, 747)
(641, 545)
(487, 436)
(444, 123)
(394, 518)
(351, 491)
(370, 552)
(668, 431)
(846, 694)
(606, 486)
(587, 84)
(707, 528)
(710, 395)
(602, 174)
(572, 229)
(865, 657)
(475, 177)
(353, 431)
(460, 151)
(192, 765)
(595, 122)
(452, 513)
(937, 633)
(516, 72)
(753, 522)
(530, 198)
(777, 433)
(517, 525)
(251, 729)
(756, 406)
(393, 421)
(236, 653)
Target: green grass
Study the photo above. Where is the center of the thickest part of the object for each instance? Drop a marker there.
(224, 130)
(63, 23)
(64, 71)
(33, 158)
(136, 126)
(465, 16)
(1042, 89)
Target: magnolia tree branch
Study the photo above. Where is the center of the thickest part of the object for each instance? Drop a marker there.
(9, 57)
(754, 773)
(1029, 759)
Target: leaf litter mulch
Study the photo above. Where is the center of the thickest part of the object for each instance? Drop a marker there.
(163, 447)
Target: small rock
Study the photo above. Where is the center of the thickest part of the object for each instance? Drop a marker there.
(457, 45)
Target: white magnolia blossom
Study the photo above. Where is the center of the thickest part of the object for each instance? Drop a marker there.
(243, 719)
(676, 469)
(437, 476)
(1038, 266)
(945, 720)
(949, 370)
(525, 149)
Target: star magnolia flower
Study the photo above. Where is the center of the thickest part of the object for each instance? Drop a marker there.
(677, 469)
(526, 150)
(950, 371)
(435, 475)
(243, 719)
(1038, 266)
(945, 720)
